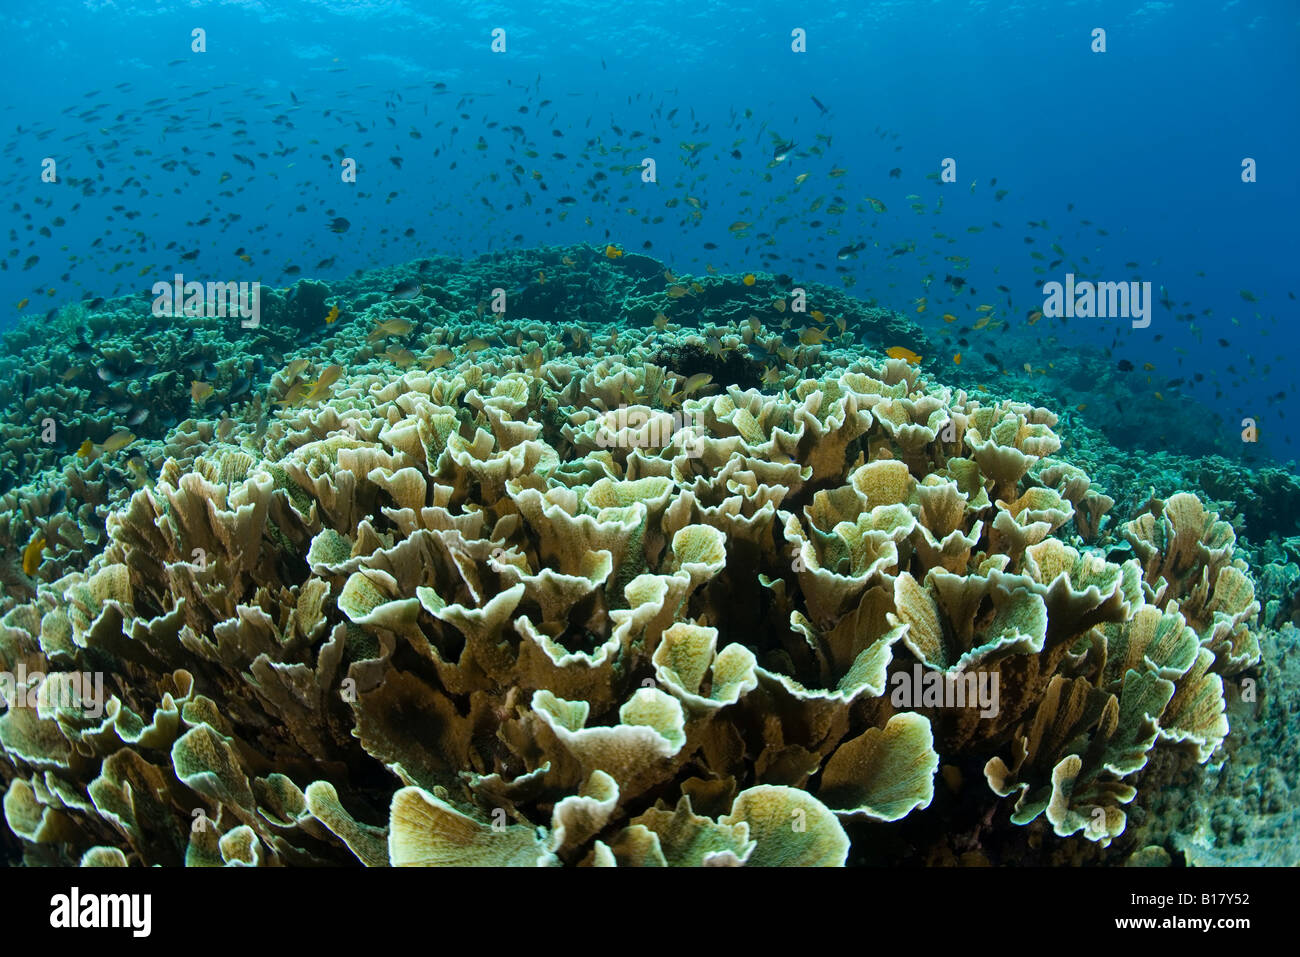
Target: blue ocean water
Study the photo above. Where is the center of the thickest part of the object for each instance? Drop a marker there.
(224, 162)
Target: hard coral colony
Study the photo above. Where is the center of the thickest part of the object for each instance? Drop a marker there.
(479, 614)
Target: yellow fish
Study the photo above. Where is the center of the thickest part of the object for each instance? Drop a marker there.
(812, 336)
(32, 555)
(568, 260)
(402, 358)
(295, 368)
(118, 440)
(329, 375)
(391, 327)
(612, 252)
(983, 308)
(901, 352)
(676, 292)
(984, 321)
(87, 449)
(437, 360)
(748, 279)
(876, 204)
(661, 321)
(956, 359)
(800, 178)
(1035, 316)
(200, 392)
(739, 226)
(333, 314)
(297, 393)
(949, 317)
(695, 383)
(476, 345)
(779, 305)
(22, 303)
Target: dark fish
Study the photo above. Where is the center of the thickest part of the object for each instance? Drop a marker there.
(406, 290)
(851, 251)
(818, 104)
(895, 173)
(339, 225)
(781, 151)
(57, 501)
(1125, 366)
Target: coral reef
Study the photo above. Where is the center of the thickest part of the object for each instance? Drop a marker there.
(521, 606)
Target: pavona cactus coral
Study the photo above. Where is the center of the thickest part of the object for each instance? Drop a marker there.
(465, 617)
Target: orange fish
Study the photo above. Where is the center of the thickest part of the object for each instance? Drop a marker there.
(956, 359)
(901, 352)
(333, 314)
